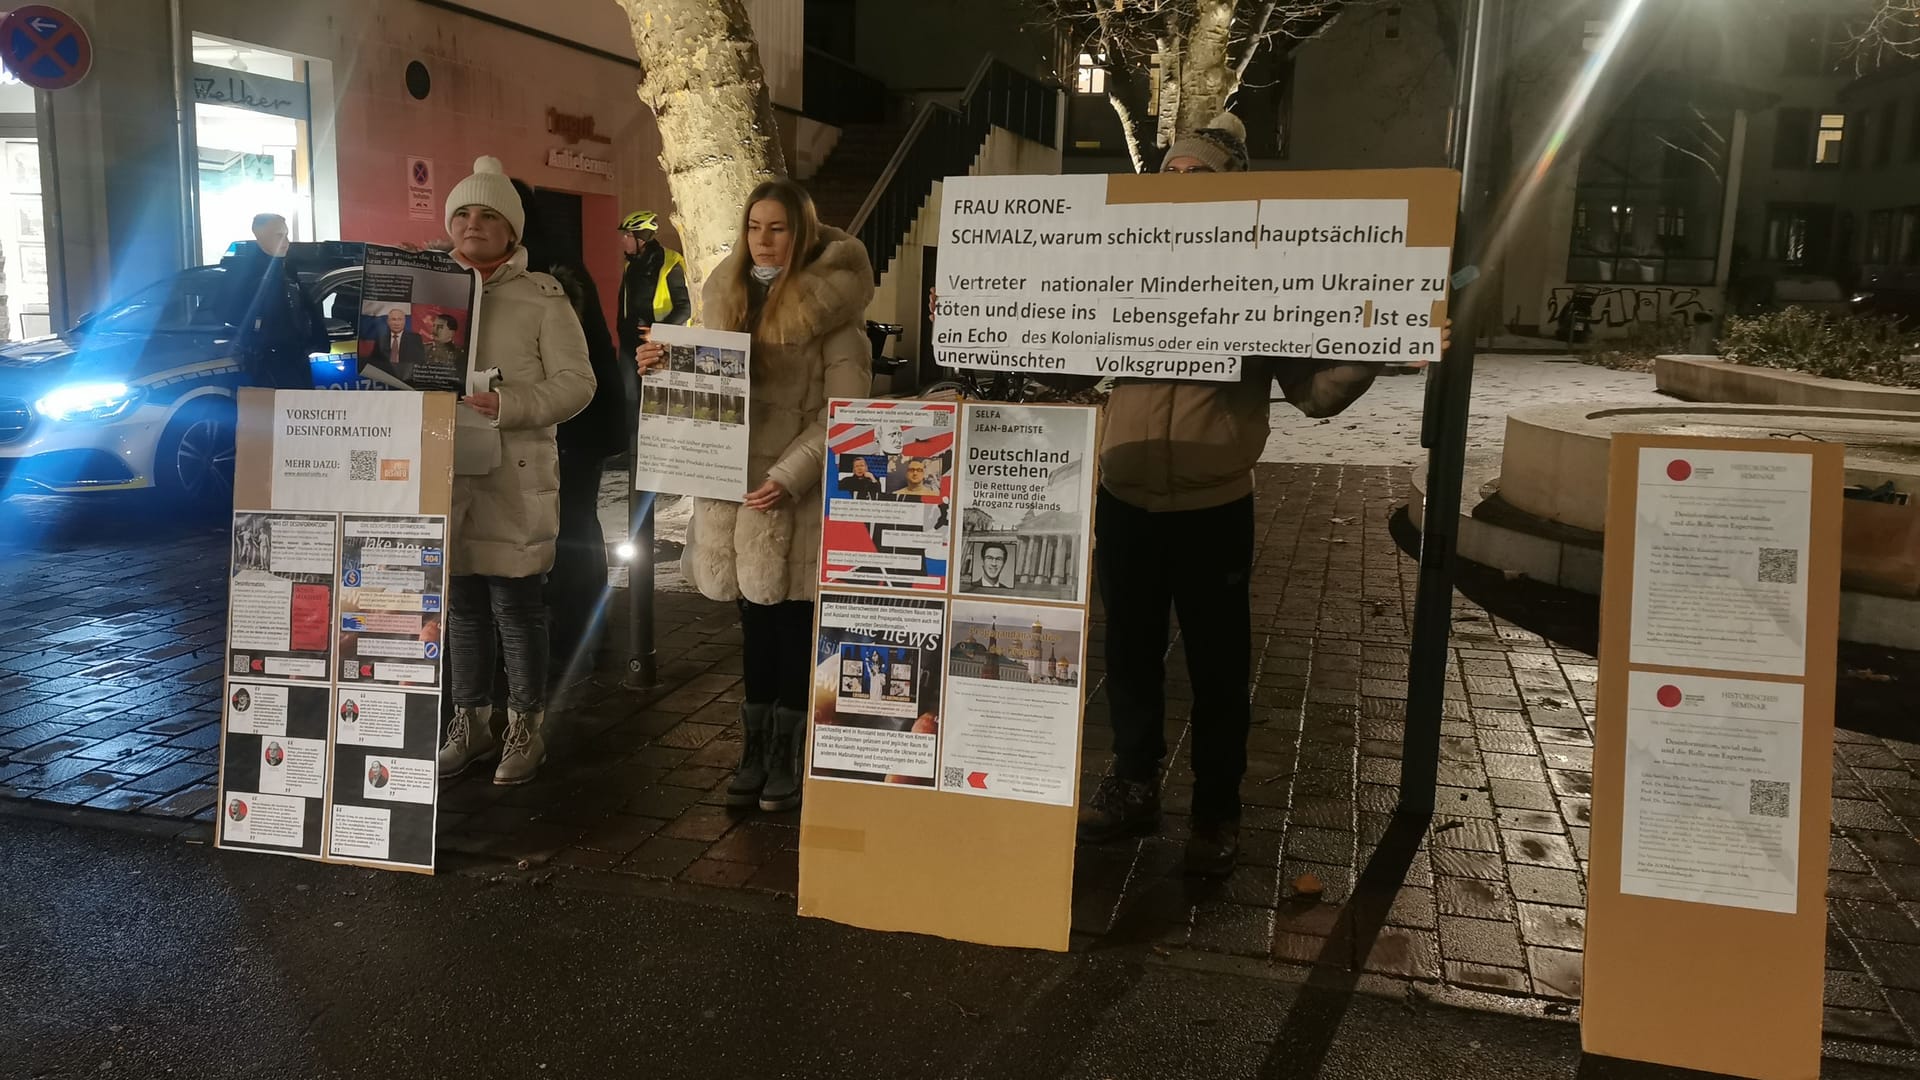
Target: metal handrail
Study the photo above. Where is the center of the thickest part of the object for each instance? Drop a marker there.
(987, 102)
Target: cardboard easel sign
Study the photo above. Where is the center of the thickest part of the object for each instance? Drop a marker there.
(1713, 751)
(944, 740)
(335, 626)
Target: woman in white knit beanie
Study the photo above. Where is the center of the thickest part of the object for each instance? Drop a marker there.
(505, 520)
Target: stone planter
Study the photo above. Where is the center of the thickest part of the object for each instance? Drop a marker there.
(1711, 379)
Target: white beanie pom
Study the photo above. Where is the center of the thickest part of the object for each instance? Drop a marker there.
(1230, 124)
(487, 163)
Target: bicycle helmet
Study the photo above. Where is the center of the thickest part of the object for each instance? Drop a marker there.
(640, 221)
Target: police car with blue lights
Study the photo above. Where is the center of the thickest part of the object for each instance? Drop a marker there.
(141, 394)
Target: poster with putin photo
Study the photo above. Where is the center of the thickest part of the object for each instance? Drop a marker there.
(393, 576)
(877, 689)
(417, 312)
(889, 494)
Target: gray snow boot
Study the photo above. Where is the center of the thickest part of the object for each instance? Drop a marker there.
(785, 751)
(756, 722)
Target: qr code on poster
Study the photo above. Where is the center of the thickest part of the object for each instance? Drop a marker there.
(366, 466)
(951, 777)
(1769, 798)
(1780, 566)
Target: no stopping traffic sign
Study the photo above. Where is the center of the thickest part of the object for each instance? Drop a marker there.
(45, 47)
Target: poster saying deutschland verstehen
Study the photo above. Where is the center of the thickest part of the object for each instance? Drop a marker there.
(1177, 276)
(889, 494)
(1026, 501)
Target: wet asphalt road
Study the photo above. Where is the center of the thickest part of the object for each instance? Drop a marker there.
(128, 956)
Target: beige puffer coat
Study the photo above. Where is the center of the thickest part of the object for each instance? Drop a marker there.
(1171, 445)
(811, 345)
(505, 522)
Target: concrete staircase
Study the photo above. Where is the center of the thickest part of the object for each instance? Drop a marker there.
(847, 177)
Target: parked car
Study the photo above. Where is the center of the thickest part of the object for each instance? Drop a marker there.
(142, 393)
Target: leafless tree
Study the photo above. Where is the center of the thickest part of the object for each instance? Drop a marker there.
(1202, 48)
(718, 137)
(1888, 31)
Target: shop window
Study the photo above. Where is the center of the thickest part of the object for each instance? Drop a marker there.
(1828, 141)
(1649, 196)
(252, 126)
(1089, 76)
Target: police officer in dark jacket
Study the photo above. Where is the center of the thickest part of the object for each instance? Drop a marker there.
(278, 326)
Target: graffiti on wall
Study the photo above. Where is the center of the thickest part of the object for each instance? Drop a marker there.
(1623, 305)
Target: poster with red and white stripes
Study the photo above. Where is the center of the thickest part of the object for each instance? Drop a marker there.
(889, 488)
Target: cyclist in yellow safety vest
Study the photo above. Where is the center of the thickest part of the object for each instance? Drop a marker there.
(653, 288)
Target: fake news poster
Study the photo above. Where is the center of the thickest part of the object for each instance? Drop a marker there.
(1012, 720)
(273, 767)
(693, 416)
(877, 685)
(280, 595)
(1049, 274)
(392, 607)
(351, 452)
(385, 786)
(1719, 561)
(417, 311)
(1026, 502)
(1712, 791)
(889, 494)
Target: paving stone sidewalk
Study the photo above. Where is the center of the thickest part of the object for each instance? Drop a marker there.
(109, 663)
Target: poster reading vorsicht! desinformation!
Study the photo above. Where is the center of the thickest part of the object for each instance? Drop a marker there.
(694, 416)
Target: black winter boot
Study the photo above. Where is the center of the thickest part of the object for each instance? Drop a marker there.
(785, 750)
(756, 722)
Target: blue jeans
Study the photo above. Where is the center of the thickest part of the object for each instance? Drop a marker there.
(515, 608)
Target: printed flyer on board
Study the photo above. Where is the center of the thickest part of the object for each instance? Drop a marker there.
(1712, 791)
(877, 688)
(694, 415)
(1052, 274)
(1720, 549)
(1026, 502)
(273, 778)
(1012, 723)
(889, 494)
(392, 610)
(417, 313)
(385, 785)
(280, 595)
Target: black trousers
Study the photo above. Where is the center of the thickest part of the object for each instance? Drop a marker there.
(1195, 563)
(578, 582)
(777, 653)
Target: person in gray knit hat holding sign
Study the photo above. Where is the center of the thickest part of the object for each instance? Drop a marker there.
(1174, 531)
(532, 356)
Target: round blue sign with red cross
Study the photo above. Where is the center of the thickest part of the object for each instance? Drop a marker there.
(45, 47)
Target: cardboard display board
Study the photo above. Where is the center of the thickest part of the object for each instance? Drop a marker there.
(1179, 276)
(335, 620)
(944, 743)
(1713, 750)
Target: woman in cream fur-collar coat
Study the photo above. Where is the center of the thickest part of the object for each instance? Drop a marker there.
(801, 290)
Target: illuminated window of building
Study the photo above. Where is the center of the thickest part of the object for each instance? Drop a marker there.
(1089, 77)
(252, 129)
(1828, 140)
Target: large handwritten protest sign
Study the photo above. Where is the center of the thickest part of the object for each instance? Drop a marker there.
(1179, 276)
